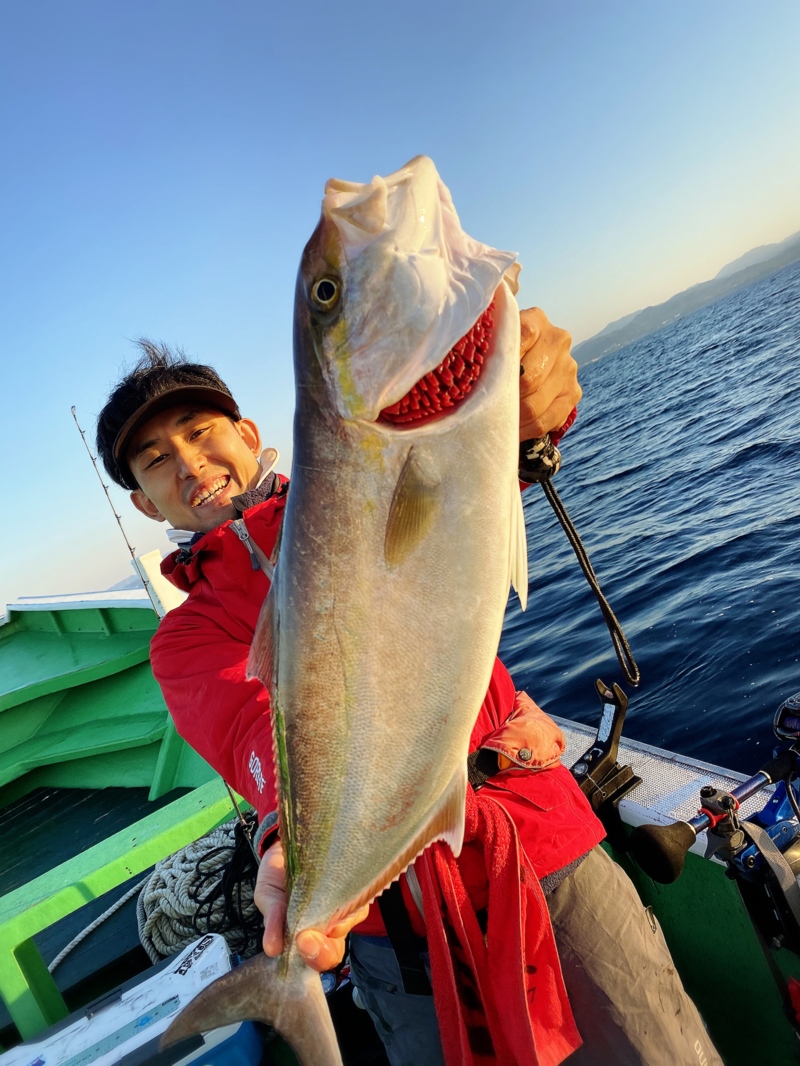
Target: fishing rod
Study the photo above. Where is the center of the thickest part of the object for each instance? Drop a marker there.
(539, 460)
(157, 607)
(661, 850)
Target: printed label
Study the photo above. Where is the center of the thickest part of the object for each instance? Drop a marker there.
(198, 950)
(255, 770)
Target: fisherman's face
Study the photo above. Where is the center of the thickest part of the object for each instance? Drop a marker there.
(188, 462)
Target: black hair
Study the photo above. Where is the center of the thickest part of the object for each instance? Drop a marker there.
(159, 370)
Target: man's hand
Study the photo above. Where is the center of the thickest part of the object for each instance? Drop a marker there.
(548, 385)
(321, 950)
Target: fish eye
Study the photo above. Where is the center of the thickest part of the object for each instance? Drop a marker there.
(325, 293)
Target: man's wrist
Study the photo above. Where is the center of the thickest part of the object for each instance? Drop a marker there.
(540, 459)
(557, 435)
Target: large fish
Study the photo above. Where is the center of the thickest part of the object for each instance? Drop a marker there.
(402, 533)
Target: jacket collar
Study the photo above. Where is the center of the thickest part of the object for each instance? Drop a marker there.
(183, 567)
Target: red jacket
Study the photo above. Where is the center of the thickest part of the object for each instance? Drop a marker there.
(527, 821)
(199, 654)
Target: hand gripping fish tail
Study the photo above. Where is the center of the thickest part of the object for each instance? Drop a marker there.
(402, 534)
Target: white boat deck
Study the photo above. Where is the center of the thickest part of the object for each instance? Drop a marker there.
(671, 783)
(158, 594)
(76, 601)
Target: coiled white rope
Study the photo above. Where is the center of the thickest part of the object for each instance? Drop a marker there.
(167, 907)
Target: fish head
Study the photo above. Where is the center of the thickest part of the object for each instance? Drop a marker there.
(388, 284)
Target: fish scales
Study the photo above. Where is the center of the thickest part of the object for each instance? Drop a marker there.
(377, 712)
(397, 550)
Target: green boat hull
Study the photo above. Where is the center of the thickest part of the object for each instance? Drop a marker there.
(79, 708)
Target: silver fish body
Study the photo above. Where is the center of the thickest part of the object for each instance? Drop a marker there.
(398, 545)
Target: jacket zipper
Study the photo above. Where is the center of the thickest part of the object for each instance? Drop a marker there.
(257, 558)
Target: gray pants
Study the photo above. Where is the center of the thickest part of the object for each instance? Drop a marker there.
(628, 1000)
(629, 1004)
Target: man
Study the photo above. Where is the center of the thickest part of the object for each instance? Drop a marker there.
(173, 435)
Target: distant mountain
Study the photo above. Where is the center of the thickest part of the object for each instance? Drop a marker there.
(758, 255)
(612, 327)
(755, 264)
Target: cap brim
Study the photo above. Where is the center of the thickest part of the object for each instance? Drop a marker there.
(202, 395)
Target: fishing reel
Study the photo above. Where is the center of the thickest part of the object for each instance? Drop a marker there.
(761, 852)
(786, 723)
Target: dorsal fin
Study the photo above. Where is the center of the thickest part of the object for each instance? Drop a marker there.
(446, 822)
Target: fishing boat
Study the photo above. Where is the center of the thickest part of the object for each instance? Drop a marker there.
(96, 787)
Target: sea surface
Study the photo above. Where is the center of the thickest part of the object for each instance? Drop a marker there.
(682, 475)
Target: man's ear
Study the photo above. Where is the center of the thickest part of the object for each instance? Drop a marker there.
(146, 506)
(250, 435)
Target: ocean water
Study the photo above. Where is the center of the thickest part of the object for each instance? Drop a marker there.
(682, 475)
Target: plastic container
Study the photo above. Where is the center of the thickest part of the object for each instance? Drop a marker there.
(125, 1026)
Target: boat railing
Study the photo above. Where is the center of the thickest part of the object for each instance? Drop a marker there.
(26, 987)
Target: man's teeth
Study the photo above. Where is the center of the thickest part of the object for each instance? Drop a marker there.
(210, 493)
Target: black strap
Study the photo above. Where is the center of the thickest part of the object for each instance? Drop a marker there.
(481, 765)
(778, 976)
(539, 460)
(408, 947)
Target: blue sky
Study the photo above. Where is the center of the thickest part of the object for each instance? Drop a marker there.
(163, 164)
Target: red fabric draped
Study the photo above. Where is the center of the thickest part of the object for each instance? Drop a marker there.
(499, 998)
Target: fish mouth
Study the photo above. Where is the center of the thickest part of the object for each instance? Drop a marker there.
(440, 391)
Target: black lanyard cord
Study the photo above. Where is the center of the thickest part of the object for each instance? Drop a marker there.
(538, 461)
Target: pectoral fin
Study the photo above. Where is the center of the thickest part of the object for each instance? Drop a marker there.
(414, 506)
(518, 549)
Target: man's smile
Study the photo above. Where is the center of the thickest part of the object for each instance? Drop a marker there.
(189, 462)
(209, 490)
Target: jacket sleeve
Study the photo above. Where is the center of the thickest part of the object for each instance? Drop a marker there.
(222, 715)
(554, 822)
(556, 436)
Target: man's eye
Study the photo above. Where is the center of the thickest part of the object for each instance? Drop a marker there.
(196, 433)
(156, 462)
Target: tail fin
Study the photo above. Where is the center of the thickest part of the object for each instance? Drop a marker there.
(286, 994)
